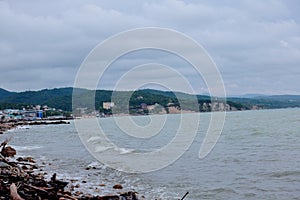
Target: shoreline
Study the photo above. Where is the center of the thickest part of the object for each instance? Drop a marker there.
(12, 124)
(25, 178)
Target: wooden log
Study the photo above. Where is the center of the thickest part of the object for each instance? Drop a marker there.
(39, 189)
(69, 197)
(14, 192)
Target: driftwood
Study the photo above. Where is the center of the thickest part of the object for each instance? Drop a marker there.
(14, 192)
(69, 197)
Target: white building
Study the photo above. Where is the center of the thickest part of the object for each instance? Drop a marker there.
(108, 105)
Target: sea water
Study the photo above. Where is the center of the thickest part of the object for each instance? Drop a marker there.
(256, 157)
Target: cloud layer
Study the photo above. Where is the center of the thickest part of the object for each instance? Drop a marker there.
(255, 44)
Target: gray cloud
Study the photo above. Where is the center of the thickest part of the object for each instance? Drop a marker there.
(255, 44)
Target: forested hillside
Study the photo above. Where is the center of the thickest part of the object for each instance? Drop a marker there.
(61, 98)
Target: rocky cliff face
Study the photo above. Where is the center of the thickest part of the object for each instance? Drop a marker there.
(216, 106)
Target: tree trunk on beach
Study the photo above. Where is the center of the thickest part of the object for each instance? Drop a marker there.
(14, 192)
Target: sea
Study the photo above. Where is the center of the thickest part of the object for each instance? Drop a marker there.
(256, 157)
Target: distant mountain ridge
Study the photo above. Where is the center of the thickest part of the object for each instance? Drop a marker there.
(250, 96)
(61, 98)
(5, 93)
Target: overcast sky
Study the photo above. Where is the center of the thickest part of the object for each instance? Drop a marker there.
(254, 43)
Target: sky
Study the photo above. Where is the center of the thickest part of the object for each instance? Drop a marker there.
(255, 44)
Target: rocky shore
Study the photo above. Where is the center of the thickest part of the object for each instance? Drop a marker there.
(5, 126)
(22, 179)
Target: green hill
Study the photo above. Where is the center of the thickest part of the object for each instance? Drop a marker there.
(269, 102)
(5, 93)
(61, 98)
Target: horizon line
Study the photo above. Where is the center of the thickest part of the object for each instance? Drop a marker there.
(251, 95)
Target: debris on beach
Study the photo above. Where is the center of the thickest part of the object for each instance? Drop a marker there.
(21, 179)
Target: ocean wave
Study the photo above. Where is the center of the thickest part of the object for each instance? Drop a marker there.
(222, 190)
(95, 164)
(93, 139)
(124, 150)
(101, 148)
(285, 173)
(23, 127)
(27, 148)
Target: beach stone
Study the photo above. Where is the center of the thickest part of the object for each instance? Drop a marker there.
(72, 187)
(8, 152)
(118, 187)
(25, 159)
(68, 193)
(28, 159)
(20, 159)
(90, 167)
(102, 185)
(24, 167)
(78, 193)
(129, 195)
(33, 167)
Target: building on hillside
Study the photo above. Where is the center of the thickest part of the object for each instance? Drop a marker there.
(108, 105)
(33, 114)
(144, 106)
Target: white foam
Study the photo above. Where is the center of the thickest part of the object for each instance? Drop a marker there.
(124, 150)
(23, 127)
(26, 148)
(93, 139)
(101, 148)
(95, 164)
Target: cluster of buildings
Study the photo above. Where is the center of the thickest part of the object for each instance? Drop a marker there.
(143, 108)
(33, 113)
(9, 114)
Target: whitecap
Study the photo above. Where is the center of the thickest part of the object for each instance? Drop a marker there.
(95, 138)
(23, 127)
(124, 150)
(26, 148)
(101, 148)
(94, 165)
